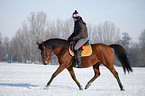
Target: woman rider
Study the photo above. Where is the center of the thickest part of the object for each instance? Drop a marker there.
(79, 35)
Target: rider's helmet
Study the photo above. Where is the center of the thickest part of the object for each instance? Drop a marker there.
(76, 15)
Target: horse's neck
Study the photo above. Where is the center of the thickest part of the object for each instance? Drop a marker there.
(60, 50)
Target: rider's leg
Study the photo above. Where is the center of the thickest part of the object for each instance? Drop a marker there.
(80, 43)
(78, 58)
(77, 47)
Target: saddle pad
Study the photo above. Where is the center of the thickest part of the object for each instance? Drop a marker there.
(86, 51)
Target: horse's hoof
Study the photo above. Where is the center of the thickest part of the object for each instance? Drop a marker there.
(45, 88)
(87, 86)
(122, 89)
(81, 88)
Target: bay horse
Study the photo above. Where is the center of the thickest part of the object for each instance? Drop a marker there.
(101, 54)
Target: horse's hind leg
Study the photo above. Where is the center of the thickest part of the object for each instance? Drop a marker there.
(97, 74)
(115, 73)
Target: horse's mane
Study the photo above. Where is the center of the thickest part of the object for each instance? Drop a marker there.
(55, 42)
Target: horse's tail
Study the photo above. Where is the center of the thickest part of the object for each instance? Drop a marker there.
(121, 54)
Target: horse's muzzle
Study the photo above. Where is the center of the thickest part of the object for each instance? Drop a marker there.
(46, 62)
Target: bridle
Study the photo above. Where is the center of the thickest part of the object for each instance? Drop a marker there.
(46, 57)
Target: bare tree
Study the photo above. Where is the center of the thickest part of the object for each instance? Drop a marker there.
(12, 49)
(92, 32)
(0, 47)
(125, 41)
(20, 41)
(142, 39)
(60, 29)
(68, 28)
(37, 27)
(141, 59)
(107, 32)
(133, 54)
(6, 48)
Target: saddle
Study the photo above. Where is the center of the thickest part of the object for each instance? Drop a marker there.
(86, 49)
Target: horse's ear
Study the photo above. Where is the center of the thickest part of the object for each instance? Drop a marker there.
(38, 43)
(43, 44)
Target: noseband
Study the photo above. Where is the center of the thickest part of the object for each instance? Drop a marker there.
(46, 57)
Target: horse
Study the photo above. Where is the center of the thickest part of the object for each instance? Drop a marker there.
(101, 54)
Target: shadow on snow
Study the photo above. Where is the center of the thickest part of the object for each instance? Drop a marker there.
(26, 85)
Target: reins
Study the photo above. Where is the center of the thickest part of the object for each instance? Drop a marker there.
(48, 58)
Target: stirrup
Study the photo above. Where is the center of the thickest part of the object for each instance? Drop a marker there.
(79, 66)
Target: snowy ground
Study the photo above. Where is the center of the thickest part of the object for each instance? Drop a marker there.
(30, 80)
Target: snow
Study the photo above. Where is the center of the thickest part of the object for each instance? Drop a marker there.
(30, 80)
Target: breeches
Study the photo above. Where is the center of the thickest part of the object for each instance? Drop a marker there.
(80, 43)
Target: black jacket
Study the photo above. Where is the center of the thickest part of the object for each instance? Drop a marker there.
(80, 31)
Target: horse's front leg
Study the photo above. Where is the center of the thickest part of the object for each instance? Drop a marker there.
(71, 71)
(60, 69)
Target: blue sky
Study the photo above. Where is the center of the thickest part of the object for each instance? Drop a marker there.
(128, 15)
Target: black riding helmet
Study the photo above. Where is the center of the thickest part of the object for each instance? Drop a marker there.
(76, 15)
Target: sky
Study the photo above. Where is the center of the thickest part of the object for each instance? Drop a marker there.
(128, 15)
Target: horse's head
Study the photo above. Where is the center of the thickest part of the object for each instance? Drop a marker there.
(45, 53)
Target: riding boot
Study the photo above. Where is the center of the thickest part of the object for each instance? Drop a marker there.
(78, 58)
(74, 61)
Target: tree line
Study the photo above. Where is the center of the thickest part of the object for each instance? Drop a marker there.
(37, 28)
